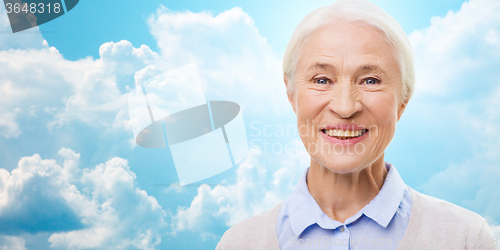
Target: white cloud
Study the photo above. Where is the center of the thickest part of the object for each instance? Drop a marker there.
(9, 127)
(457, 61)
(474, 183)
(456, 45)
(102, 206)
(257, 188)
(96, 98)
(82, 208)
(89, 91)
(12, 93)
(36, 80)
(235, 62)
(175, 188)
(12, 243)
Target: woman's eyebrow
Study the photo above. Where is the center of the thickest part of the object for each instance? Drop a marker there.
(365, 68)
(370, 68)
(323, 66)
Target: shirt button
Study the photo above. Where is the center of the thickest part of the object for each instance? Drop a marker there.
(342, 229)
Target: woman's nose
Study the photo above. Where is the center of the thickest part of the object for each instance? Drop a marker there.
(345, 100)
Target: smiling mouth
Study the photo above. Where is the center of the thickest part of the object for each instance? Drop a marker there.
(344, 134)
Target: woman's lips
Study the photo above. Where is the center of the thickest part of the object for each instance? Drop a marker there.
(345, 127)
(346, 136)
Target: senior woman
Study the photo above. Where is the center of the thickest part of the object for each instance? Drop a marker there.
(348, 70)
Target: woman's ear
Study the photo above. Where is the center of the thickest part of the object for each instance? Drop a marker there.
(402, 108)
(290, 95)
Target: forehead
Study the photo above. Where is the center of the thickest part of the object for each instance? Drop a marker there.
(348, 44)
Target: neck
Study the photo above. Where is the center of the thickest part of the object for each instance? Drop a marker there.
(341, 196)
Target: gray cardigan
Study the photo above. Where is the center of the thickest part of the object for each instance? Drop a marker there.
(434, 224)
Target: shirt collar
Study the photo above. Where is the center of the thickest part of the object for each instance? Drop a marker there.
(305, 211)
(383, 207)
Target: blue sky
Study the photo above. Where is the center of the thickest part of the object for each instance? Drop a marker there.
(71, 176)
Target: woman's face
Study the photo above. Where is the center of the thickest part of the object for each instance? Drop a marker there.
(347, 96)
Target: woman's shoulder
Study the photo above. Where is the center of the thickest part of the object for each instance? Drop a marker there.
(257, 232)
(440, 210)
(444, 222)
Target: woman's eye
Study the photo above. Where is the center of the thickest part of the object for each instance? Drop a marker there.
(371, 81)
(322, 81)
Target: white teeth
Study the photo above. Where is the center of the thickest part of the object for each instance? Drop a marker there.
(344, 134)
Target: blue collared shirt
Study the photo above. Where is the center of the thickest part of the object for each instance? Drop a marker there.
(378, 225)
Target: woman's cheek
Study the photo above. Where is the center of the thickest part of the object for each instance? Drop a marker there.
(306, 104)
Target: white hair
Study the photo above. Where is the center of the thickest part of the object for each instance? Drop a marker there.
(360, 12)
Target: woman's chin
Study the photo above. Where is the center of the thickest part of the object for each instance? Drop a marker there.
(342, 165)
